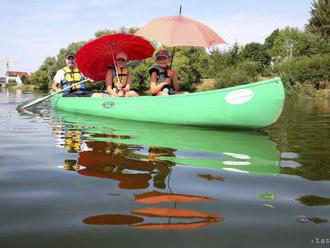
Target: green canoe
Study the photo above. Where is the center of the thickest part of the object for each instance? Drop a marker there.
(240, 151)
(254, 105)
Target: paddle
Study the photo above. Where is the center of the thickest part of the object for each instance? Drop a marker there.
(29, 103)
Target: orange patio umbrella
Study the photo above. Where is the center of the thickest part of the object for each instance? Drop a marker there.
(155, 197)
(176, 213)
(180, 31)
(207, 218)
(176, 226)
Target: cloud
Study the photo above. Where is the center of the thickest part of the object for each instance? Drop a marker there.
(247, 27)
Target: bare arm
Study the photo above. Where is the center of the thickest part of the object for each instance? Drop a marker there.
(54, 87)
(109, 82)
(175, 81)
(129, 82)
(154, 87)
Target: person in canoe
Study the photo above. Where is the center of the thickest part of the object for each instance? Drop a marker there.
(164, 80)
(118, 79)
(68, 75)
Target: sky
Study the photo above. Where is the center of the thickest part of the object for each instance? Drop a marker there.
(32, 30)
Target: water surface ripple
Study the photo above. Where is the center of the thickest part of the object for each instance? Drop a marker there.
(69, 180)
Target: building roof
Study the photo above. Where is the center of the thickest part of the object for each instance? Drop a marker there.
(17, 73)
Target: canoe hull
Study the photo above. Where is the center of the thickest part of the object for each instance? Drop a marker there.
(253, 105)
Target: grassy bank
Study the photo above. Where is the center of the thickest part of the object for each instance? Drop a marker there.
(297, 88)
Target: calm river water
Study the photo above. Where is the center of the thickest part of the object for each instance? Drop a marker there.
(79, 181)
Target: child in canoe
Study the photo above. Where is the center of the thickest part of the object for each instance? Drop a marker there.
(118, 80)
(164, 80)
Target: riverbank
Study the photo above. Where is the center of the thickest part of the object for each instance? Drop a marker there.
(28, 87)
(301, 90)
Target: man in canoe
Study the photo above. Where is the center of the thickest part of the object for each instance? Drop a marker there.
(164, 80)
(118, 79)
(68, 75)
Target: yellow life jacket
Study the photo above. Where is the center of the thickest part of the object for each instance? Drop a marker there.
(122, 75)
(71, 77)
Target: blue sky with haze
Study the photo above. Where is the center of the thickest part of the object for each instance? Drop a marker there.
(34, 29)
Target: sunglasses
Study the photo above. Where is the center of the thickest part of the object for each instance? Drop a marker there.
(161, 58)
(121, 60)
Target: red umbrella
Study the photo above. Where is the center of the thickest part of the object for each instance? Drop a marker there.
(112, 219)
(95, 56)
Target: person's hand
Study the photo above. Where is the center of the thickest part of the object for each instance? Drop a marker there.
(121, 93)
(113, 94)
(167, 81)
(171, 73)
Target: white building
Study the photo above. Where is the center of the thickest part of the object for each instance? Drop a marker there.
(15, 77)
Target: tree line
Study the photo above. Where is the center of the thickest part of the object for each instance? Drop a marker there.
(300, 57)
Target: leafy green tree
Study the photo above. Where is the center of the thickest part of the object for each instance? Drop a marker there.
(50, 67)
(190, 63)
(220, 60)
(305, 72)
(291, 43)
(125, 30)
(256, 52)
(25, 80)
(234, 55)
(103, 32)
(242, 73)
(319, 23)
(40, 79)
(141, 78)
(269, 41)
(215, 63)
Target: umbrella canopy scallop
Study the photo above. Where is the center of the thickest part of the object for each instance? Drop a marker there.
(95, 56)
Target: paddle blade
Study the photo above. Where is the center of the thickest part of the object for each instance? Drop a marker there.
(31, 102)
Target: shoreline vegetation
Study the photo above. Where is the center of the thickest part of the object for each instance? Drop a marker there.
(300, 57)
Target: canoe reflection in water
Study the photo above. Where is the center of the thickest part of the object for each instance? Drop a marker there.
(144, 155)
(249, 152)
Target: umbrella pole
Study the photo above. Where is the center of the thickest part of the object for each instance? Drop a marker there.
(174, 47)
(172, 57)
(114, 64)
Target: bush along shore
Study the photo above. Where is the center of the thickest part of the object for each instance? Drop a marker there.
(300, 57)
